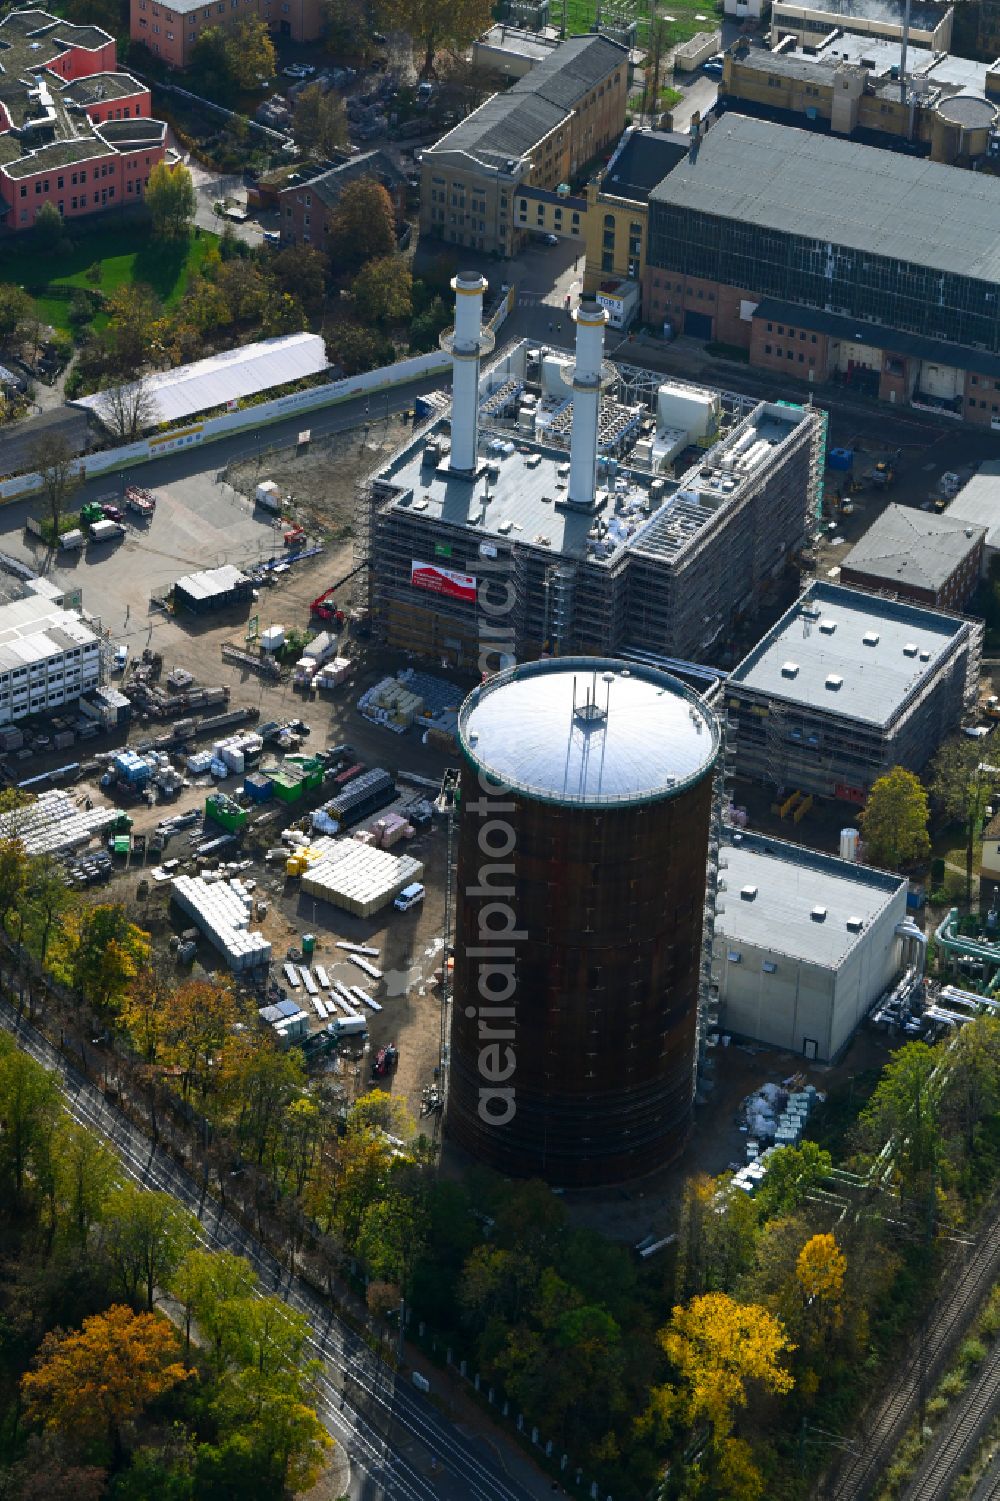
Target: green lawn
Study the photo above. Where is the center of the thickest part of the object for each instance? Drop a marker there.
(127, 253)
(683, 23)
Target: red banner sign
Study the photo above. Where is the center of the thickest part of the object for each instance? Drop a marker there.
(443, 581)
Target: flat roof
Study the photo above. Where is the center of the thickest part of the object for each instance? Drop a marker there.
(908, 546)
(33, 629)
(978, 502)
(212, 581)
(791, 883)
(844, 652)
(882, 54)
(925, 15)
(226, 377)
(838, 192)
(516, 41)
(588, 730)
(527, 499)
(642, 159)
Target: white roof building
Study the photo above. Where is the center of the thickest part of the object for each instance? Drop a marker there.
(805, 943)
(227, 377)
(978, 503)
(48, 657)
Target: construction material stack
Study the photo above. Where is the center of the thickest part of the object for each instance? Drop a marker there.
(221, 911)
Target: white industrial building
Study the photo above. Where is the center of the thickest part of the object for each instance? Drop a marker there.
(978, 504)
(805, 943)
(48, 657)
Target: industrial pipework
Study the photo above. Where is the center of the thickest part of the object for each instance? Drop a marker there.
(467, 342)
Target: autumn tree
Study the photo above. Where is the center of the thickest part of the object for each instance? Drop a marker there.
(301, 271)
(963, 786)
(436, 25)
(791, 1173)
(85, 1173)
(46, 898)
(905, 1111)
(894, 822)
(170, 199)
(133, 312)
(48, 229)
(819, 1273)
(146, 1236)
(110, 952)
(319, 121)
(199, 1016)
(383, 291)
(56, 465)
(90, 1383)
(276, 1415)
(971, 1087)
(235, 55)
(29, 1111)
(721, 1352)
(16, 307)
(362, 227)
(209, 1285)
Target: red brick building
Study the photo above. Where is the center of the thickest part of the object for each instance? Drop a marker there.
(913, 554)
(74, 131)
(307, 203)
(171, 30)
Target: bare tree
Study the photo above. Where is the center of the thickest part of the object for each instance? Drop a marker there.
(54, 460)
(127, 408)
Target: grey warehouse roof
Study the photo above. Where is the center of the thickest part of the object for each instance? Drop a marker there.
(925, 15)
(643, 737)
(790, 884)
(844, 652)
(841, 193)
(642, 159)
(510, 125)
(913, 547)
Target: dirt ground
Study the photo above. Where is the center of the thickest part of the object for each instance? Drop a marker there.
(322, 478)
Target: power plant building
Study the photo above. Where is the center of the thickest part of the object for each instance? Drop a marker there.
(826, 259)
(805, 943)
(587, 807)
(847, 685)
(611, 509)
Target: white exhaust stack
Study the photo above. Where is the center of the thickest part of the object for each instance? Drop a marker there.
(590, 319)
(466, 344)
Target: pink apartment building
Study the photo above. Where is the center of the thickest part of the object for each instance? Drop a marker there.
(74, 131)
(171, 30)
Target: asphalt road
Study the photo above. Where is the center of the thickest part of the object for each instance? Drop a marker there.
(399, 1446)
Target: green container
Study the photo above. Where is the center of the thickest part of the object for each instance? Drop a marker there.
(225, 812)
(308, 943)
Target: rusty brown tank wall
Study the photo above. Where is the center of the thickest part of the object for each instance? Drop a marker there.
(610, 904)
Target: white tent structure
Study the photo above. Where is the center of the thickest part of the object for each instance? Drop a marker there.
(226, 377)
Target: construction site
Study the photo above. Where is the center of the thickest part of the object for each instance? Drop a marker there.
(614, 511)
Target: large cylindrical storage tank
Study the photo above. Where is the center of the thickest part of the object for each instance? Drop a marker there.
(583, 835)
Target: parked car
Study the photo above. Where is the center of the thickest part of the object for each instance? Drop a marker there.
(120, 659)
(715, 65)
(298, 70)
(272, 237)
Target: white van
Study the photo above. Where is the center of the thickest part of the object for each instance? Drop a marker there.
(409, 897)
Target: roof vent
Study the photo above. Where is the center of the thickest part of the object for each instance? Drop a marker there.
(828, 626)
(768, 967)
(910, 649)
(748, 893)
(870, 638)
(925, 655)
(834, 682)
(789, 669)
(818, 914)
(855, 924)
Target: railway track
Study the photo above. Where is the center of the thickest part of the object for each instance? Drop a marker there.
(946, 1322)
(951, 1450)
(381, 1425)
(988, 1488)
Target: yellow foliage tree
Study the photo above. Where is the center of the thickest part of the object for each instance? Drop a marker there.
(719, 1347)
(821, 1267)
(102, 1375)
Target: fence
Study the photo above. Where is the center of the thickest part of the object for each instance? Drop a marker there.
(210, 429)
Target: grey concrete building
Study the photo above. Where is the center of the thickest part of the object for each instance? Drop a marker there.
(848, 684)
(805, 943)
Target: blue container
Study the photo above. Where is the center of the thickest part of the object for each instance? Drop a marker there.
(840, 458)
(258, 787)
